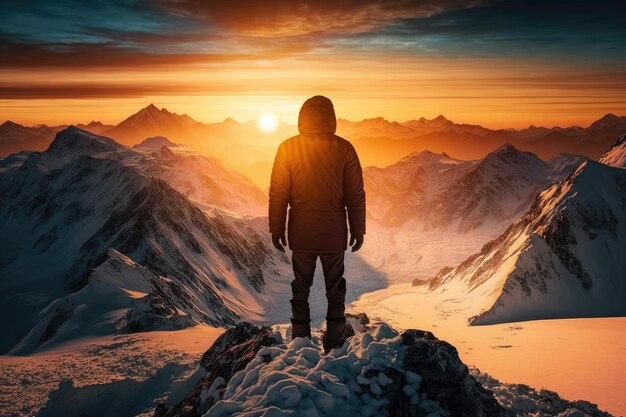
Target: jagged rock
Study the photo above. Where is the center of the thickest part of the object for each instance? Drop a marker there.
(230, 353)
(445, 378)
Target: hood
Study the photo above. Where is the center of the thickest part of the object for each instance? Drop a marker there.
(317, 115)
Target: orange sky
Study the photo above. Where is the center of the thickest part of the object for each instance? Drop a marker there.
(502, 64)
(492, 92)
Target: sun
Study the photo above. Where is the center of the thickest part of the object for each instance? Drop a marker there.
(268, 122)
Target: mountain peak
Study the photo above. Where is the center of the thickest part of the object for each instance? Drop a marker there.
(155, 142)
(510, 155)
(10, 124)
(72, 140)
(229, 121)
(609, 120)
(609, 116)
(506, 148)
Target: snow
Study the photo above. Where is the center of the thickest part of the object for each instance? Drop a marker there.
(155, 366)
(579, 358)
(300, 381)
(563, 259)
(88, 194)
(417, 191)
(616, 156)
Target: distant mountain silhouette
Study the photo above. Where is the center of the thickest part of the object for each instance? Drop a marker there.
(151, 121)
(379, 142)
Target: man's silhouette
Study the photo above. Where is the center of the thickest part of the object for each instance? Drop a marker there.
(318, 175)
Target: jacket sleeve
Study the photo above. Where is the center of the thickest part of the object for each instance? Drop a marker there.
(280, 187)
(354, 193)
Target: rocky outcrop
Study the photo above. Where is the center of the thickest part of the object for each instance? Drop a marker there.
(230, 353)
(445, 378)
(412, 374)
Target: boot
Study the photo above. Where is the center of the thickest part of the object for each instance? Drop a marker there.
(300, 329)
(337, 331)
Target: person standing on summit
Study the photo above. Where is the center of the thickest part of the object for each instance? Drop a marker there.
(316, 179)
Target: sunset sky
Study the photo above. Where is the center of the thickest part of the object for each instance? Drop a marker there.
(496, 63)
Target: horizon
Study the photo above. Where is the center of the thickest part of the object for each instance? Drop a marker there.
(255, 120)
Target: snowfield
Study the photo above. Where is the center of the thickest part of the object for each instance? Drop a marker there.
(76, 374)
(578, 358)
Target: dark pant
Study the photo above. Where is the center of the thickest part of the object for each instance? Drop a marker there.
(303, 270)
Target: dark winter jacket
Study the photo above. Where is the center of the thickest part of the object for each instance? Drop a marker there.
(318, 175)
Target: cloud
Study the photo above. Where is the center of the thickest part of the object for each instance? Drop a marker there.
(85, 55)
(279, 18)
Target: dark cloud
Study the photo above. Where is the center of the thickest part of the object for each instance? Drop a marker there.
(554, 29)
(109, 56)
(87, 91)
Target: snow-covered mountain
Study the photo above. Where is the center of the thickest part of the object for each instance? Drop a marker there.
(402, 191)
(64, 209)
(206, 180)
(564, 258)
(616, 156)
(436, 191)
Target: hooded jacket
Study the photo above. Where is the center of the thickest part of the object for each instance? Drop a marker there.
(316, 180)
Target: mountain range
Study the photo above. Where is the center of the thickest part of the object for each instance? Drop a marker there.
(75, 215)
(564, 258)
(434, 191)
(98, 237)
(379, 142)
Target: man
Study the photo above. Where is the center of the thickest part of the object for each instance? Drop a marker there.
(318, 175)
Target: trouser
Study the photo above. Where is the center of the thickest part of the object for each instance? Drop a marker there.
(303, 270)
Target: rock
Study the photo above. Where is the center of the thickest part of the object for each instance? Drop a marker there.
(445, 378)
(230, 353)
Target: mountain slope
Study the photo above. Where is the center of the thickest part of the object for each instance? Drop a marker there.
(564, 258)
(616, 156)
(400, 192)
(206, 180)
(66, 207)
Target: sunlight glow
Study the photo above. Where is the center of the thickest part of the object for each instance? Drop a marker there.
(268, 122)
